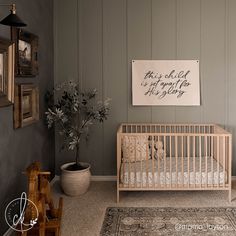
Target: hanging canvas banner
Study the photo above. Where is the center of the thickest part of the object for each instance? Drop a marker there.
(165, 82)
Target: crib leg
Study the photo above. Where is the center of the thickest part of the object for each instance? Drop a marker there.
(118, 196)
(230, 198)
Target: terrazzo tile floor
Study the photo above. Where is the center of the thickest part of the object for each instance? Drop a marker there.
(83, 215)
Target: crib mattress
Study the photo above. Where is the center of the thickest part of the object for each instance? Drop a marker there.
(144, 174)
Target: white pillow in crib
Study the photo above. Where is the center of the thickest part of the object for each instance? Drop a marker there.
(135, 148)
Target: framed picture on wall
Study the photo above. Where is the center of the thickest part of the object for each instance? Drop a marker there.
(26, 59)
(7, 54)
(26, 106)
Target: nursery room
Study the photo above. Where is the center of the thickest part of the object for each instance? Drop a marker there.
(117, 117)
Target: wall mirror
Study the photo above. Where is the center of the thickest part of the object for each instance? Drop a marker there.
(7, 53)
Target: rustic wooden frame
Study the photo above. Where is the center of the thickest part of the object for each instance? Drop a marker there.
(30, 69)
(20, 118)
(7, 48)
(195, 141)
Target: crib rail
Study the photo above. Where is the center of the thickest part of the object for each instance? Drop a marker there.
(171, 128)
(173, 157)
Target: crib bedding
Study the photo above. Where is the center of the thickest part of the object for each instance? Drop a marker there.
(144, 173)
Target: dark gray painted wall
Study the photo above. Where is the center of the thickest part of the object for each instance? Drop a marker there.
(99, 38)
(18, 148)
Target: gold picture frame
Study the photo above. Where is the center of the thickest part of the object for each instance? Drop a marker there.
(26, 54)
(7, 53)
(26, 105)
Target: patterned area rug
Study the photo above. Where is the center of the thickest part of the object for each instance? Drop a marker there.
(129, 221)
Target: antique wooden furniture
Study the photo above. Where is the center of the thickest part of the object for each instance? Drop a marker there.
(49, 217)
(197, 157)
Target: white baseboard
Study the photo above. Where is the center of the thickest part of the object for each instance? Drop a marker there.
(93, 178)
(104, 178)
(56, 178)
(9, 232)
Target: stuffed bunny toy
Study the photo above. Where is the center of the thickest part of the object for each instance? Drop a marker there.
(160, 153)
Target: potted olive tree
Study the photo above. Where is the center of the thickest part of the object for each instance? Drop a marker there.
(72, 112)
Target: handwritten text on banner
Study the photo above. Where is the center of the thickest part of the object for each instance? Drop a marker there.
(165, 82)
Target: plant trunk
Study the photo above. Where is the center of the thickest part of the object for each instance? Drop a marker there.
(77, 155)
(77, 166)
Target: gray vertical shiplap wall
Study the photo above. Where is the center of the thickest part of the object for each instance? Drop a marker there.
(65, 54)
(106, 35)
(138, 36)
(91, 62)
(213, 55)
(188, 45)
(114, 75)
(20, 147)
(163, 47)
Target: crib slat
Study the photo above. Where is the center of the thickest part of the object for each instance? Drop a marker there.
(188, 150)
(194, 161)
(212, 154)
(164, 160)
(182, 152)
(124, 165)
(230, 165)
(129, 167)
(135, 161)
(200, 156)
(218, 160)
(152, 148)
(176, 160)
(170, 161)
(158, 166)
(224, 161)
(206, 158)
(147, 166)
(141, 173)
(119, 162)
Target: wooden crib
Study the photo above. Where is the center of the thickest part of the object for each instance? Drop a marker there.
(173, 157)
